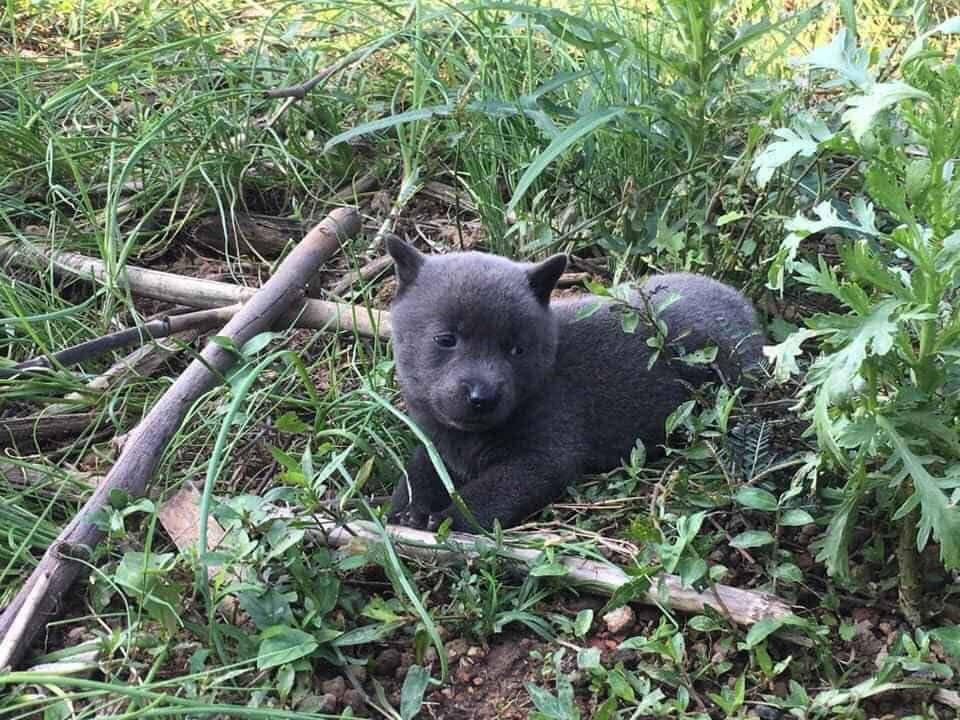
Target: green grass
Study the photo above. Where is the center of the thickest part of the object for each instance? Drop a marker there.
(623, 134)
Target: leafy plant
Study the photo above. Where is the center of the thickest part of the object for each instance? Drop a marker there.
(883, 392)
(554, 707)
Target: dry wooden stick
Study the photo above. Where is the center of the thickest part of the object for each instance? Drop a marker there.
(27, 434)
(298, 92)
(141, 454)
(373, 269)
(194, 292)
(365, 183)
(141, 362)
(744, 607)
(152, 330)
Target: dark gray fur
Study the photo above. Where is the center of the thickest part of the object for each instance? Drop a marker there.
(514, 431)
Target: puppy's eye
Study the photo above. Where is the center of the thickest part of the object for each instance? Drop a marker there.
(516, 350)
(445, 340)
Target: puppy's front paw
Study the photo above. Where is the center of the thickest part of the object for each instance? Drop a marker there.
(411, 517)
(434, 520)
(458, 524)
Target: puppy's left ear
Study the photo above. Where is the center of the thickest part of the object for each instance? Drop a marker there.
(407, 259)
(543, 276)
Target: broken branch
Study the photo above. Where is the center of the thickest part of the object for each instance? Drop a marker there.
(142, 453)
(299, 92)
(373, 269)
(744, 607)
(153, 330)
(195, 292)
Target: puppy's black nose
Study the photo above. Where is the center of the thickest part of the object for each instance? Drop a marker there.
(482, 399)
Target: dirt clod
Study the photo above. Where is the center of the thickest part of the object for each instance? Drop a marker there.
(620, 621)
(328, 703)
(387, 662)
(336, 687)
(456, 648)
(354, 700)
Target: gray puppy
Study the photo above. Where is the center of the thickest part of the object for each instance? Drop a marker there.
(521, 398)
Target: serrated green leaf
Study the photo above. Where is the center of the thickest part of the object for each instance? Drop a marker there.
(784, 356)
(860, 335)
(802, 139)
(756, 499)
(843, 57)
(865, 108)
(918, 177)
(938, 516)
(290, 423)
(891, 194)
(828, 219)
(835, 549)
(862, 265)
(949, 255)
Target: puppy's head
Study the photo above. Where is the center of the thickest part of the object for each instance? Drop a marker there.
(473, 333)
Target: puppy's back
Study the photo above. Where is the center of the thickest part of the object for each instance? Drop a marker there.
(700, 312)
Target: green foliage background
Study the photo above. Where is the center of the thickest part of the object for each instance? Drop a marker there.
(803, 151)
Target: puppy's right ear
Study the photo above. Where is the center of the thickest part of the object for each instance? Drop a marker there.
(407, 259)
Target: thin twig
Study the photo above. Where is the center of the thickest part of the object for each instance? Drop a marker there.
(153, 330)
(299, 92)
(372, 270)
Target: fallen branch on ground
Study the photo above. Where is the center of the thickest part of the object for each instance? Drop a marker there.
(194, 292)
(373, 269)
(27, 615)
(30, 434)
(299, 92)
(246, 234)
(152, 330)
(743, 607)
(142, 362)
(363, 184)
